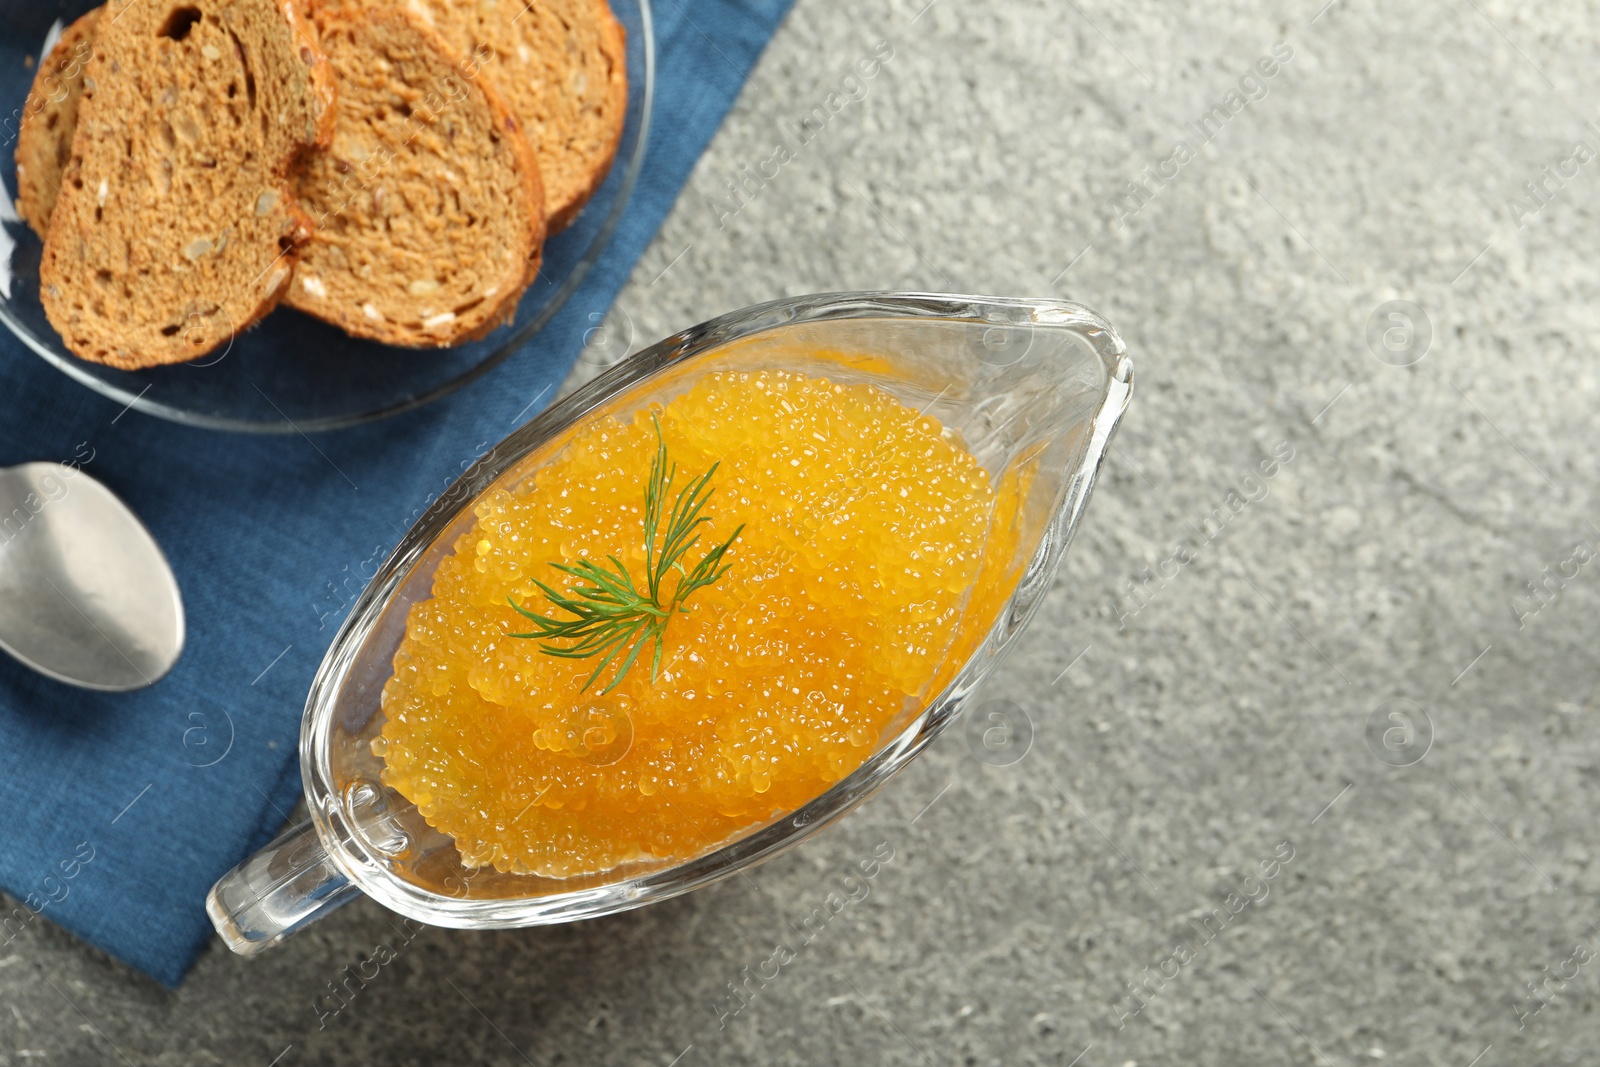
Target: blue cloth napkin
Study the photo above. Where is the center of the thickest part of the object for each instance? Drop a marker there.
(118, 812)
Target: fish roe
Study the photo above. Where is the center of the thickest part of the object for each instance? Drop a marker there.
(868, 558)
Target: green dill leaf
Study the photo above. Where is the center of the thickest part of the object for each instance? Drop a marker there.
(611, 616)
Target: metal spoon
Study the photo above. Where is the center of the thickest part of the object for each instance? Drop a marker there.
(86, 596)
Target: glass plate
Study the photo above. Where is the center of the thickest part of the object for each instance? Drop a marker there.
(293, 372)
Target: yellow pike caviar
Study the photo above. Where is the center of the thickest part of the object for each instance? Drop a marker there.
(865, 529)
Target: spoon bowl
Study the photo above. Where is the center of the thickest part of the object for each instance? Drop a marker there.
(86, 595)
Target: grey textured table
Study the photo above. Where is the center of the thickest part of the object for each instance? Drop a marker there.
(1329, 692)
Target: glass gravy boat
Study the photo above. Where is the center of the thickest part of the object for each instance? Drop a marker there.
(1035, 389)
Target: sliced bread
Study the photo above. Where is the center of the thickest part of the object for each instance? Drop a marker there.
(49, 118)
(560, 64)
(175, 227)
(428, 206)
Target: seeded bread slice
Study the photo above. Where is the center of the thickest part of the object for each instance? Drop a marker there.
(175, 228)
(560, 64)
(49, 118)
(428, 206)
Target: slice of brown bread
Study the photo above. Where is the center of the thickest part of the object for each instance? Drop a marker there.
(49, 118)
(175, 227)
(560, 64)
(428, 207)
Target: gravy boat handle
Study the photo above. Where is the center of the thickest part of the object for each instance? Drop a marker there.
(271, 895)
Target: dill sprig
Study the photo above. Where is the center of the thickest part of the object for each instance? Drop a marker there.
(611, 616)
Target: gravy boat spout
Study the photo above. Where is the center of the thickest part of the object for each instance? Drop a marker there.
(1032, 389)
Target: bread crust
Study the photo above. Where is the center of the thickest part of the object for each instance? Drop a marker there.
(575, 127)
(350, 197)
(323, 78)
(49, 118)
(614, 46)
(113, 290)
